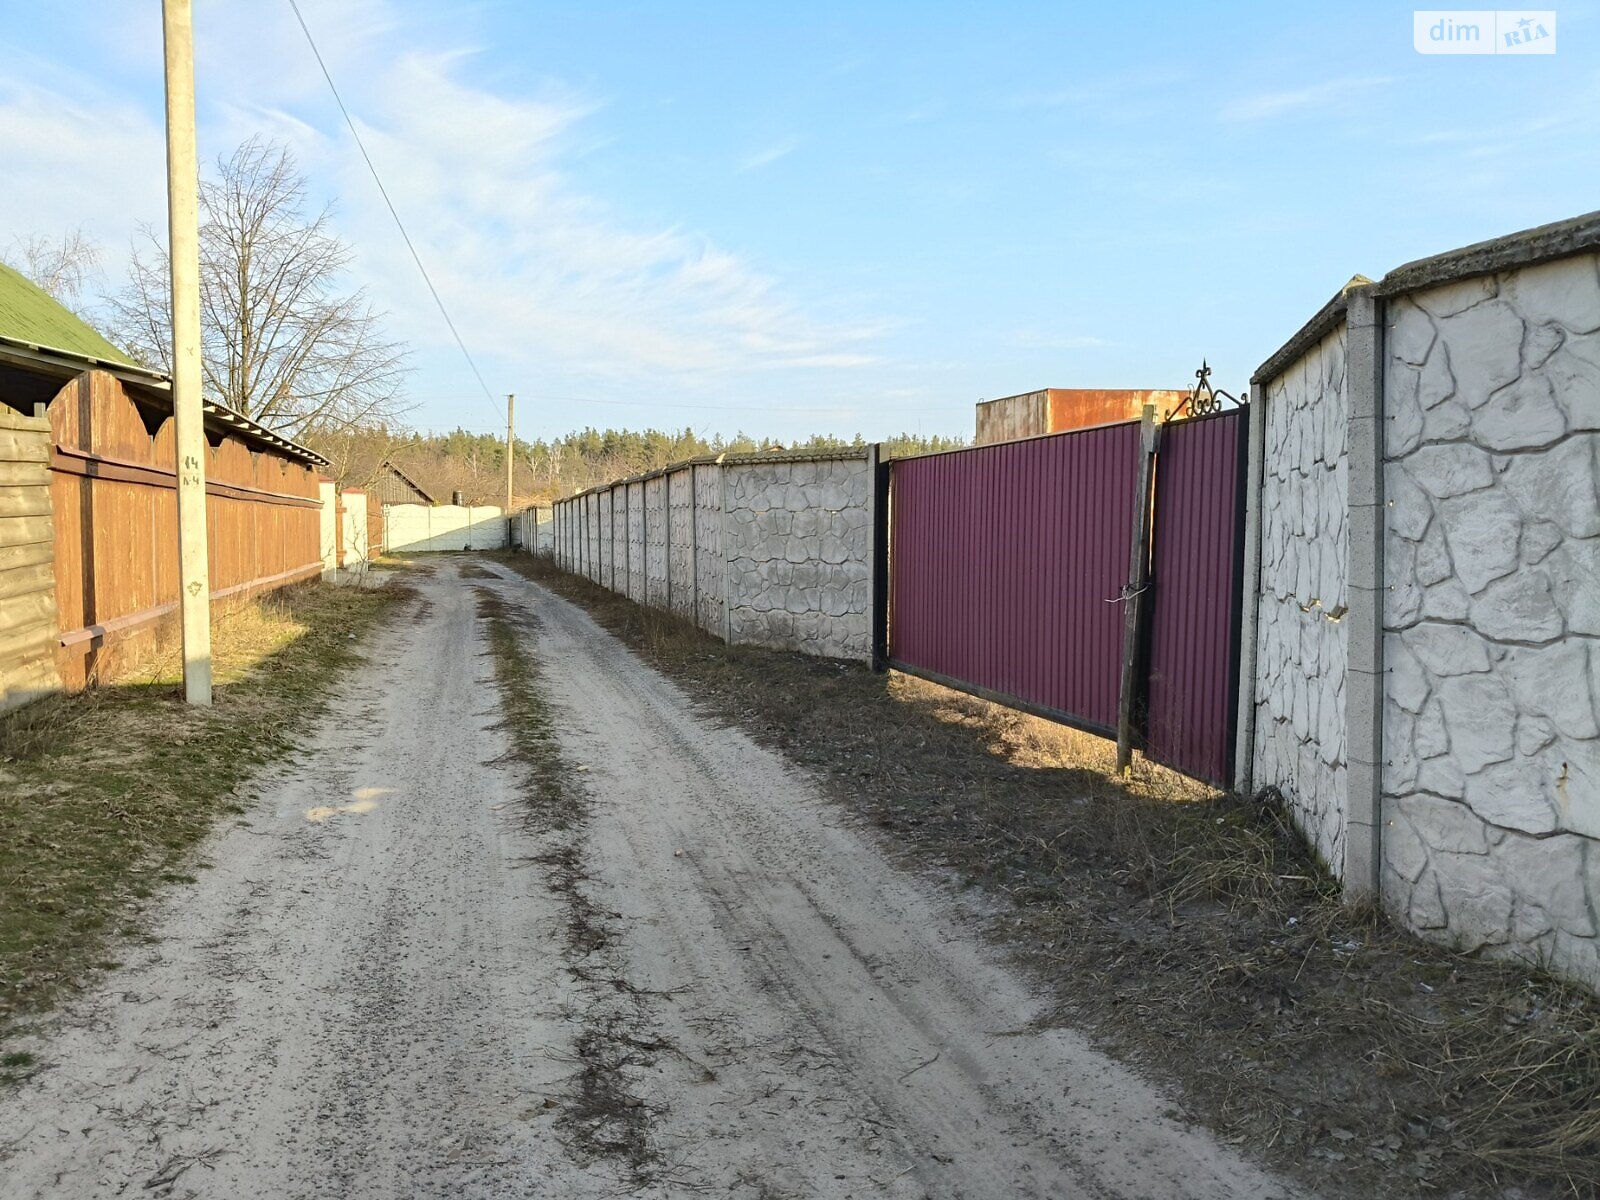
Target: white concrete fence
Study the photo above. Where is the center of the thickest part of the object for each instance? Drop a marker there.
(533, 530)
(420, 528)
(1423, 632)
(769, 550)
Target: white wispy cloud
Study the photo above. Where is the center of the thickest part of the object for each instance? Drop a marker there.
(534, 269)
(76, 158)
(528, 260)
(768, 156)
(1316, 97)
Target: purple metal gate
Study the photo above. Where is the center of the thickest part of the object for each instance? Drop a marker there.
(1007, 564)
(1196, 564)
(1003, 559)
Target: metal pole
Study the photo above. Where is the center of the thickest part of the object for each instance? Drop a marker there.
(511, 448)
(1135, 605)
(878, 477)
(183, 238)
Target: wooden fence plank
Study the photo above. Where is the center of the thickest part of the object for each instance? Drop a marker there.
(24, 502)
(27, 557)
(37, 640)
(35, 473)
(20, 581)
(25, 531)
(26, 554)
(23, 446)
(21, 611)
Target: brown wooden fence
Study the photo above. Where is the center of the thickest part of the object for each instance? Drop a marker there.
(114, 496)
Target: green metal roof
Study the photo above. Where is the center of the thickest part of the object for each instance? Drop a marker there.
(29, 314)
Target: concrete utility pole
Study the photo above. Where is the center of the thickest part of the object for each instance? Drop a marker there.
(511, 448)
(183, 236)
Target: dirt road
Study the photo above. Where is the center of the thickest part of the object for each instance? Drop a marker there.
(388, 985)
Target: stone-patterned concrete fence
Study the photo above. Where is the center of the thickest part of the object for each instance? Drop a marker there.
(769, 550)
(1424, 636)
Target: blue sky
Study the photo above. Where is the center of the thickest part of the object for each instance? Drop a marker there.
(791, 219)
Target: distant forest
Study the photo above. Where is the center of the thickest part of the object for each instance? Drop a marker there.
(475, 464)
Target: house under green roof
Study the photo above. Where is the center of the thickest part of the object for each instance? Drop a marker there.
(30, 314)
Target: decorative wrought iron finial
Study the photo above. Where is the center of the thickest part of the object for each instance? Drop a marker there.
(1205, 399)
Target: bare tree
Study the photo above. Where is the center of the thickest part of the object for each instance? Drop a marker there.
(65, 268)
(281, 341)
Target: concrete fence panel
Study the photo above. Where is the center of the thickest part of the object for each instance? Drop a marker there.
(799, 551)
(680, 543)
(1301, 595)
(710, 566)
(1426, 619)
(420, 528)
(655, 541)
(767, 550)
(535, 531)
(1491, 626)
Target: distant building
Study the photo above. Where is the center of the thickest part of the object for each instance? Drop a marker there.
(383, 482)
(1056, 410)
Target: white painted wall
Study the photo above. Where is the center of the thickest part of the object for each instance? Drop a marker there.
(419, 528)
(328, 529)
(356, 550)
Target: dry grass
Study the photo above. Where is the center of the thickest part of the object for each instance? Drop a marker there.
(103, 794)
(1190, 932)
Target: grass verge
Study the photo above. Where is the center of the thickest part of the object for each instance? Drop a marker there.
(1188, 932)
(103, 794)
(601, 1116)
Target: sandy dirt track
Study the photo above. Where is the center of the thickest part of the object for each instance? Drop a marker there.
(374, 991)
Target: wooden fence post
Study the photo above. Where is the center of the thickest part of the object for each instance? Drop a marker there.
(1135, 597)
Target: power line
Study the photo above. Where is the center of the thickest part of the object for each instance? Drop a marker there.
(393, 212)
(735, 408)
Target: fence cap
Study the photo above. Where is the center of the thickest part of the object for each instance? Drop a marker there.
(1323, 322)
(746, 459)
(153, 388)
(1525, 248)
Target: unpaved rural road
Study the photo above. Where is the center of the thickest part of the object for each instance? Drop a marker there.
(388, 985)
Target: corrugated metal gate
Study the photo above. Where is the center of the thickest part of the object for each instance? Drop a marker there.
(1197, 564)
(1008, 573)
(1002, 559)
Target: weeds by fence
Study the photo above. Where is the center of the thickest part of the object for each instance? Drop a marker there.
(1188, 931)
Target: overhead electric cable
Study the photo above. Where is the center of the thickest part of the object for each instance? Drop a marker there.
(393, 212)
